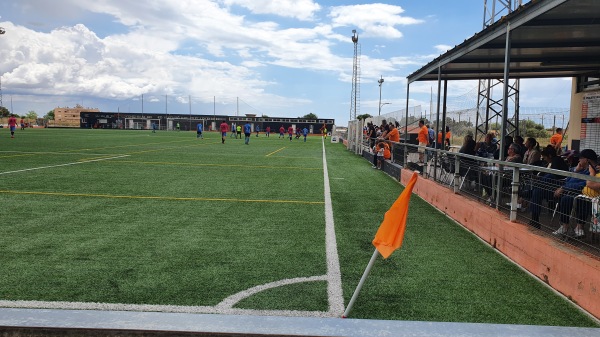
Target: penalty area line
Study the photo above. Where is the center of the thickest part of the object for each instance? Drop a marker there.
(67, 164)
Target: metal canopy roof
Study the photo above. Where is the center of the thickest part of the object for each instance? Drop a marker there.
(548, 38)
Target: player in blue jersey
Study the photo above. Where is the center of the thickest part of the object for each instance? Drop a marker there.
(247, 132)
(199, 129)
(305, 133)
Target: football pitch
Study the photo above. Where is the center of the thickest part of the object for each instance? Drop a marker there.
(135, 220)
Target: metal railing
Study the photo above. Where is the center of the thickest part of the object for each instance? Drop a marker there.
(519, 190)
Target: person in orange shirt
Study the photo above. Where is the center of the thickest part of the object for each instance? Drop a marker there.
(393, 135)
(382, 149)
(423, 138)
(556, 140)
(448, 135)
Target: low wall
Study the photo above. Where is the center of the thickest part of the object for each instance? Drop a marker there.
(565, 269)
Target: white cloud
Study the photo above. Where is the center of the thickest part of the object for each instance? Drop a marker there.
(299, 9)
(374, 20)
(442, 48)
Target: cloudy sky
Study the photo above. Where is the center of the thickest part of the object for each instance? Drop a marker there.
(278, 57)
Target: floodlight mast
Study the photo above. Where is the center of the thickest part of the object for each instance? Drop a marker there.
(355, 77)
(2, 31)
(380, 84)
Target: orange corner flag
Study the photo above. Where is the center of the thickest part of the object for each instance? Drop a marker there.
(391, 231)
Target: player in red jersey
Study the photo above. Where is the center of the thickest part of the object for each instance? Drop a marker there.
(290, 132)
(12, 124)
(224, 127)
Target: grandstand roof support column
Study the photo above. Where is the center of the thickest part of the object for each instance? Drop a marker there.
(437, 124)
(505, 92)
(442, 127)
(406, 137)
(504, 109)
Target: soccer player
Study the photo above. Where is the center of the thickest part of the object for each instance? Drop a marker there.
(268, 131)
(281, 132)
(238, 132)
(199, 129)
(257, 129)
(224, 127)
(290, 132)
(22, 124)
(178, 127)
(247, 132)
(153, 127)
(305, 133)
(12, 124)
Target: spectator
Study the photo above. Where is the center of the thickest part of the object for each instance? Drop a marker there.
(571, 157)
(384, 128)
(371, 134)
(382, 150)
(508, 140)
(522, 148)
(556, 140)
(533, 154)
(591, 189)
(447, 138)
(423, 138)
(543, 184)
(571, 188)
(486, 179)
(393, 135)
(487, 148)
(430, 135)
(467, 164)
(468, 146)
(513, 154)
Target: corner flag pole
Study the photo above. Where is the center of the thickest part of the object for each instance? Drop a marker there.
(390, 234)
(360, 283)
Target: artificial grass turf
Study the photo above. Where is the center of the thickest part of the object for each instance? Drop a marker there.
(85, 247)
(441, 273)
(183, 257)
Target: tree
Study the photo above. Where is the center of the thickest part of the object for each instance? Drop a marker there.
(363, 117)
(532, 129)
(49, 115)
(31, 115)
(309, 116)
(4, 112)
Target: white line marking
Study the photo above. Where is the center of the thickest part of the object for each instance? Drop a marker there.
(232, 300)
(156, 308)
(71, 153)
(75, 163)
(333, 278)
(334, 275)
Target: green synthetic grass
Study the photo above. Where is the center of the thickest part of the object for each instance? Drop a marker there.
(182, 221)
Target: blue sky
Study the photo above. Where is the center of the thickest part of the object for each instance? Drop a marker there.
(278, 58)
